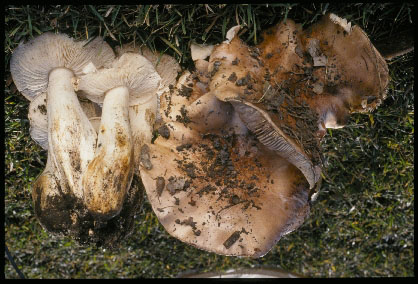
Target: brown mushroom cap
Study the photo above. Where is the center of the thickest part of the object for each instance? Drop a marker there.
(212, 184)
(296, 83)
(355, 72)
(240, 76)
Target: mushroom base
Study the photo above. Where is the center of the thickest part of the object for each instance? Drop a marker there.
(64, 214)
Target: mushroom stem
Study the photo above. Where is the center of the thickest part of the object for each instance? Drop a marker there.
(71, 137)
(109, 174)
(49, 200)
(142, 117)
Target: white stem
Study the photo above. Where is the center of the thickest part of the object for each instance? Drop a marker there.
(109, 175)
(71, 138)
(142, 119)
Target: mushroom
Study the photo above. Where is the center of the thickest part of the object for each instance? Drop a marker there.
(47, 64)
(168, 69)
(238, 161)
(200, 51)
(131, 80)
(38, 118)
(296, 83)
(264, 104)
(355, 75)
(71, 137)
(213, 184)
(166, 66)
(199, 55)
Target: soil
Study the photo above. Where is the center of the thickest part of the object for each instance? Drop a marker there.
(164, 131)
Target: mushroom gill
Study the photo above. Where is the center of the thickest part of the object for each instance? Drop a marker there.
(239, 154)
(296, 83)
(47, 65)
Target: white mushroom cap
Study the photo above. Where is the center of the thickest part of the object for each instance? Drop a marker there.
(130, 70)
(168, 69)
(165, 65)
(32, 62)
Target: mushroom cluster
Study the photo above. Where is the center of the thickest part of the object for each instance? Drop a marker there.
(237, 160)
(88, 189)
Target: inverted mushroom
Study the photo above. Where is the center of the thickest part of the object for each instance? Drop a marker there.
(131, 80)
(212, 182)
(71, 137)
(47, 64)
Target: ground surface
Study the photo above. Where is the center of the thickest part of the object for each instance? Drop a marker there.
(362, 223)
